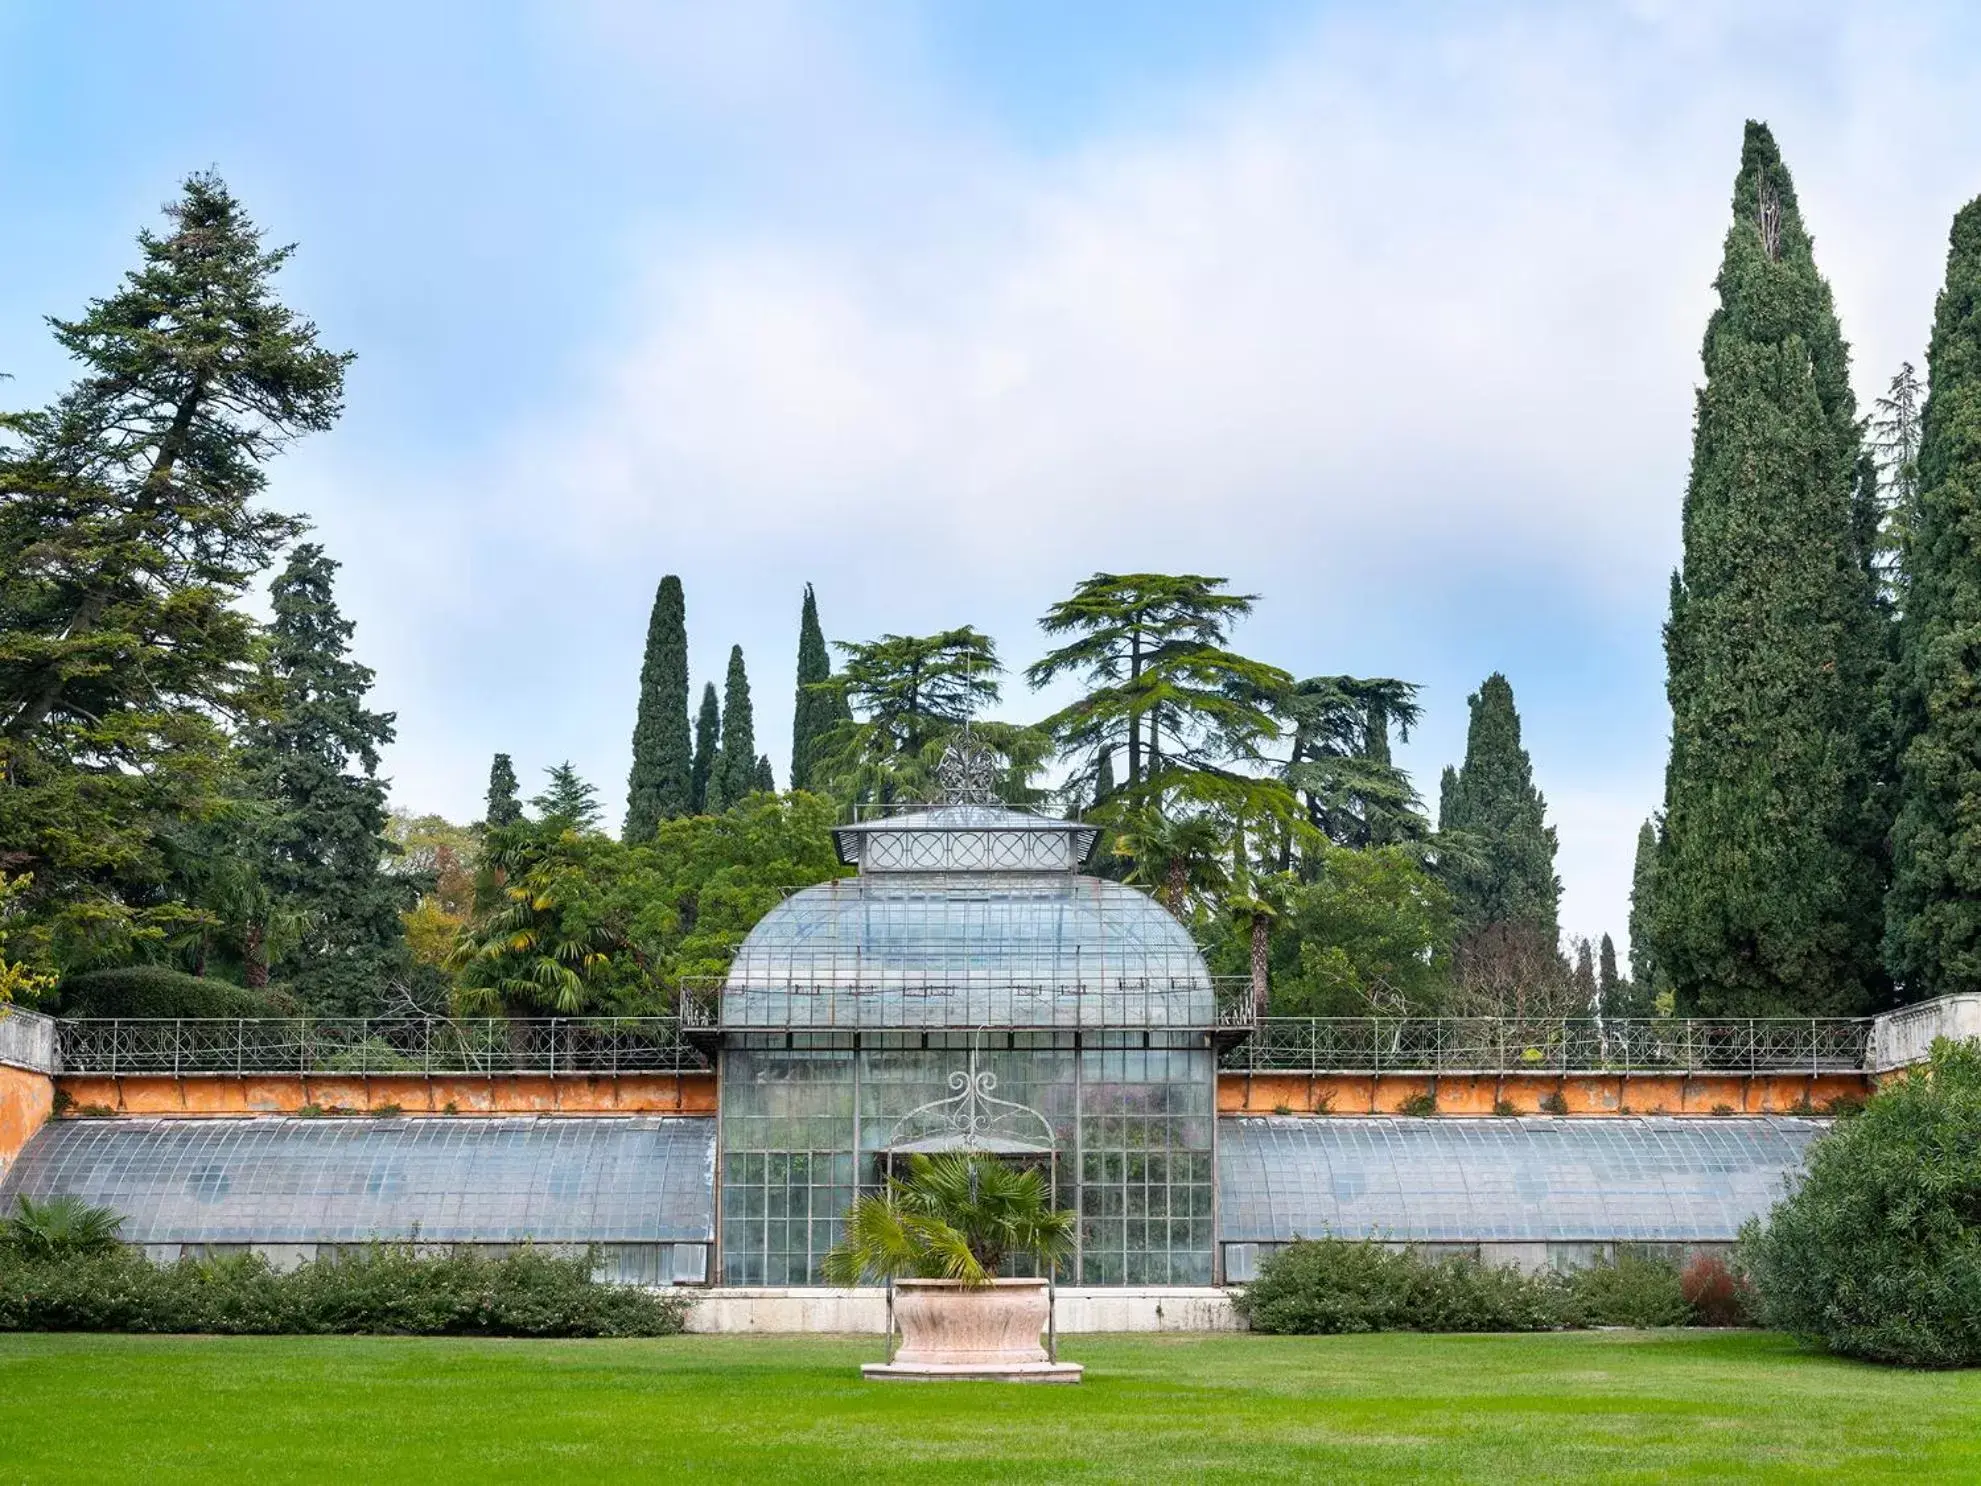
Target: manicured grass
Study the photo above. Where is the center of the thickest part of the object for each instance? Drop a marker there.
(1622, 1406)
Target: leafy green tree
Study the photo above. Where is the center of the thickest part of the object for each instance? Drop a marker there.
(1339, 759)
(1770, 874)
(568, 800)
(129, 530)
(312, 753)
(1504, 872)
(661, 785)
(504, 807)
(549, 944)
(1161, 686)
(734, 774)
(1933, 916)
(708, 745)
(820, 707)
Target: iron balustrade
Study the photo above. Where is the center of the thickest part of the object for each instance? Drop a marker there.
(1221, 1004)
(1552, 1045)
(375, 1045)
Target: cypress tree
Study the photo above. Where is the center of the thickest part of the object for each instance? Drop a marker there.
(1508, 875)
(1933, 923)
(1587, 989)
(708, 734)
(661, 784)
(504, 807)
(734, 773)
(1644, 972)
(763, 780)
(1770, 875)
(313, 758)
(1608, 982)
(818, 710)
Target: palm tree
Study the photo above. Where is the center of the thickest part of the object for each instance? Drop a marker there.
(955, 1217)
(1179, 857)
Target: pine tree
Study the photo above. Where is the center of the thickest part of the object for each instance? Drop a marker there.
(129, 530)
(708, 742)
(1506, 875)
(819, 709)
(763, 780)
(504, 807)
(313, 758)
(1770, 875)
(1645, 976)
(1933, 922)
(661, 785)
(734, 774)
(567, 800)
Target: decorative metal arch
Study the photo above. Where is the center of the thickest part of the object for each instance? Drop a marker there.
(972, 1119)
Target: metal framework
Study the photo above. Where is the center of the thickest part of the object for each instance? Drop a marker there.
(1551, 1044)
(416, 1045)
(1220, 1004)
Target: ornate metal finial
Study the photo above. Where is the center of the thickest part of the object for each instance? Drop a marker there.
(968, 773)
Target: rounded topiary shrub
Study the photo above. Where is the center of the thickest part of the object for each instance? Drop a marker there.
(155, 991)
(1877, 1251)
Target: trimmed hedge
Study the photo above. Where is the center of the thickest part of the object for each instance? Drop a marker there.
(155, 991)
(1876, 1253)
(386, 1289)
(1326, 1286)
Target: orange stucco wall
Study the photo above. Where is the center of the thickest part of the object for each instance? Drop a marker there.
(508, 1093)
(26, 1100)
(1581, 1093)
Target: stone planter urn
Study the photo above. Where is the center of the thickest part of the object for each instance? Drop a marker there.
(956, 1331)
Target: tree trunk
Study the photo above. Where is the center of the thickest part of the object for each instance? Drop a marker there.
(1175, 884)
(1134, 732)
(254, 957)
(1261, 962)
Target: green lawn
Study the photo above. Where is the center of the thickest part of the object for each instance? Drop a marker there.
(1626, 1406)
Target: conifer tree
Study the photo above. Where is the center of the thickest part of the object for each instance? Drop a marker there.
(568, 800)
(1770, 874)
(819, 708)
(1506, 875)
(312, 756)
(708, 743)
(764, 780)
(1587, 988)
(504, 807)
(661, 785)
(1608, 982)
(1645, 976)
(129, 529)
(1933, 923)
(735, 769)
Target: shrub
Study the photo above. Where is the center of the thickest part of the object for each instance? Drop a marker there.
(1425, 1103)
(1876, 1253)
(1326, 1286)
(1554, 1104)
(61, 1226)
(154, 991)
(1633, 1291)
(386, 1288)
(1505, 1108)
(1719, 1294)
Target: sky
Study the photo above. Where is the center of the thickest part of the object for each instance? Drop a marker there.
(1388, 313)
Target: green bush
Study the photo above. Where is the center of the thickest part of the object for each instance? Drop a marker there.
(1718, 1292)
(1324, 1286)
(386, 1289)
(154, 991)
(1633, 1291)
(60, 1226)
(1876, 1253)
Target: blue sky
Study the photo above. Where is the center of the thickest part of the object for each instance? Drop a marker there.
(1390, 313)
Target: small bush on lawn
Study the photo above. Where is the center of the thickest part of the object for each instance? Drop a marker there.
(1719, 1294)
(1321, 1286)
(1876, 1253)
(1634, 1291)
(387, 1288)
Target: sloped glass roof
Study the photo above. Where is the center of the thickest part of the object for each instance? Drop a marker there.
(1013, 949)
(1463, 1181)
(332, 1180)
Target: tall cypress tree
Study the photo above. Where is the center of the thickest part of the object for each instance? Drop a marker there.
(1506, 875)
(1645, 975)
(818, 711)
(708, 742)
(1608, 982)
(1770, 876)
(1933, 922)
(313, 758)
(505, 806)
(661, 784)
(735, 771)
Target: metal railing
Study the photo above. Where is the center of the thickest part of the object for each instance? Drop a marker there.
(363, 1045)
(1201, 1003)
(1551, 1044)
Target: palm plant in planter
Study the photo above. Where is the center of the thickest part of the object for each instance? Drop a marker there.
(941, 1235)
